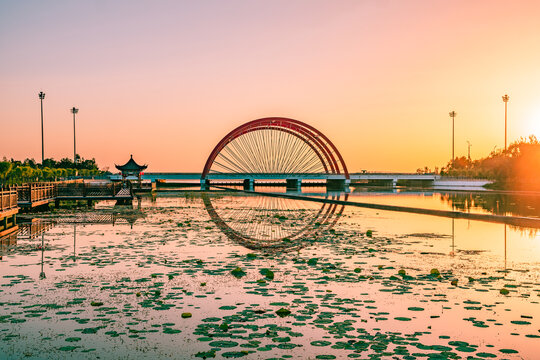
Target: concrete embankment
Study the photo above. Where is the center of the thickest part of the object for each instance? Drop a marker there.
(461, 184)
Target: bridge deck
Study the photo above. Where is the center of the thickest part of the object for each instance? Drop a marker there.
(304, 176)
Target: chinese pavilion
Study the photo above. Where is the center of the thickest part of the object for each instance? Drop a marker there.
(131, 168)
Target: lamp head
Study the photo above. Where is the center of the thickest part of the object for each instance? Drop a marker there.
(506, 98)
(41, 95)
(74, 110)
(452, 114)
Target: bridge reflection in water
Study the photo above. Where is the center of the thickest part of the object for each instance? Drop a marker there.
(272, 224)
(129, 217)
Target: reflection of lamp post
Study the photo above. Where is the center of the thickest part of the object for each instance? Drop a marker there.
(74, 239)
(453, 116)
(41, 97)
(42, 273)
(505, 98)
(452, 253)
(74, 110)
(504, 246)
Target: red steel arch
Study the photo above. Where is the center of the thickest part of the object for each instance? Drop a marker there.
(326, 151)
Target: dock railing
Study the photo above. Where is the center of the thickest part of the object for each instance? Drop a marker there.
(8, 199)
(86, 190)
(34, 192)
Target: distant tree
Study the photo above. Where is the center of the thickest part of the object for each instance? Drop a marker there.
(517, 167)
(65, 163)
(30, 162)
(50, 163)
(5, 169)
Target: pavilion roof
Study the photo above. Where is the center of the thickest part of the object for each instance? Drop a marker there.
(131, 165)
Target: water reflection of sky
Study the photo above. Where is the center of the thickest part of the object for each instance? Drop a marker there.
(485, 202)
(89, 261)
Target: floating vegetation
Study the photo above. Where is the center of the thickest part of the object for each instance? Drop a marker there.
(238, 273)
(283, 312)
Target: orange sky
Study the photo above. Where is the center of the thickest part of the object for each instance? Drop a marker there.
(166, 80)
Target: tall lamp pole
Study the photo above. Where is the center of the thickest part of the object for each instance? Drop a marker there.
(453, 115)
(74, 111)
(505, 98)
(41, 97)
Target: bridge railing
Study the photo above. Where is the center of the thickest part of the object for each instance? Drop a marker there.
(8, 199)
(36, 192)
(88, 190)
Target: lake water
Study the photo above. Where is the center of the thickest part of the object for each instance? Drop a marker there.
(225, 275)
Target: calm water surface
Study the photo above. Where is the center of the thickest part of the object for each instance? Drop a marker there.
(194, 276)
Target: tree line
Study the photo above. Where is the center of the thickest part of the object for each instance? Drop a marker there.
(18, 172)
(517, 167)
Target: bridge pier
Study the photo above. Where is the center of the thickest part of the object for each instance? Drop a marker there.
(294, 184)
(338, 184)
(125, 201)
(249, 184)
(205, 184)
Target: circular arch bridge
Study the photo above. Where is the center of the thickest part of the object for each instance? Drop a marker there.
(276, 148)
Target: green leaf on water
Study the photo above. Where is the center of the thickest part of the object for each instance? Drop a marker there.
(283, 312)
(238, 273)
(68, 348)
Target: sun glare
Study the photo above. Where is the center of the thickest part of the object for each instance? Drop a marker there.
(533, 124)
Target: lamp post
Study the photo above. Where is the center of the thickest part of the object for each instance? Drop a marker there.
(453, 115)
(41, 97)
(505, 98)
(74, 111)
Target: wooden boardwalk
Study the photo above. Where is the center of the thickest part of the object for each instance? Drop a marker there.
(8, 211)
(32, 195)
(35, 194)
(38, 194)
(84, 191)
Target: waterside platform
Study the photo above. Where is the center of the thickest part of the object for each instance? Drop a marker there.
(8, 212)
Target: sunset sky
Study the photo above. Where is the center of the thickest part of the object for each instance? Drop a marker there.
(166, 80)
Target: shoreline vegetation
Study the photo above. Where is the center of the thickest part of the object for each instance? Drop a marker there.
(516, 168)
(14, 172)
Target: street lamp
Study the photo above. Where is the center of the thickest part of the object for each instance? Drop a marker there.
(505, 98)
(74, 110)
(453, 115)
(41, 97)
